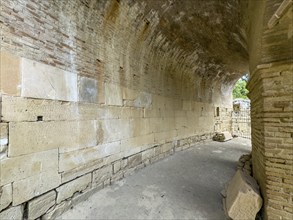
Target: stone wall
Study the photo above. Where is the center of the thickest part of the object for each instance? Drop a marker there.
(271, 97)
(89, 93)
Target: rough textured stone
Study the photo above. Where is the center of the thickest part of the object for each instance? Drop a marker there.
(113, 94)
(3, 139)
(12, 213)
(25, 189)
(223, 136)
(5, 196)
(40, 205)
(243, 200)
(14, 169)
(78, 185)
(58, 210)
(102, 174)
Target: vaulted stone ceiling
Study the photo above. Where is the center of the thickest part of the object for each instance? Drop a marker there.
(214, 29)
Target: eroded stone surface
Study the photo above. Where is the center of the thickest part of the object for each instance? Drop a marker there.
(243, 200)
(5, 196)
(12, 213)
(40, 205)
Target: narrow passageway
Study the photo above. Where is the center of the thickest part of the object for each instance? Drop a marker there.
(186, 185)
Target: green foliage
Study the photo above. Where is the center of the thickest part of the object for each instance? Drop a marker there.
(240, 90)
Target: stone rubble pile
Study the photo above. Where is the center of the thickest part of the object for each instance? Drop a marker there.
(245, 164)
(222, 136)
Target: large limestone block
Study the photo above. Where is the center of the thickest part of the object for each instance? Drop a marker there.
(113, 94)
(144, 100)
(88, 90)
(26, 189)
(143, 142)
(78, 185)
(40, 205)
(27, 109)
(5, 196)
(243, 200)
(13, 213)
(46, 82)
(74, 159)
(140, 126)
(30, 137)
(113, 130)
(17, 168)
(10, 77)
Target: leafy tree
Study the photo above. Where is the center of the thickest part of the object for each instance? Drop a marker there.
(240, 90)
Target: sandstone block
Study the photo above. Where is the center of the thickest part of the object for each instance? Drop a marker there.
(57, 210)
(5, 196)
(113, 94)
(78, 185)
(26, 189)
(26, 109)
(10, 76)
(243, 200)
(135, 160)
(102, 174)
(17, 168)
(13, 213)
(88, 90)
(129, 94)
(166, 136)
(74, 159)
(40, 205)
(30, 137)
(46, 82)
(141, 142)
(81, 170)
(140, 126)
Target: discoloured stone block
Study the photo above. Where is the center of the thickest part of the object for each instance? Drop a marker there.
(88, 90)
(5, 196)
(13, 213)
(135, 160)
(25, 189)
(57, 210)
(47, 82)
(40, 205)
(10, 74)
(30, 137)
(144, 100)
(102, 174)
(113, 94)
(78, 185)
(17, 168)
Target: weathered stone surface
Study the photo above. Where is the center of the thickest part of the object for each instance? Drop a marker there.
(17, 168)
(47, 82)
(27, 109)
(243, 200)
(113, 94)
(68, 189)
(102, 174)
(88, 90)
(12, 213)
(74, 159)
(135, 160)
(25, 189)
(10, 76)
(5, 196)
(40, 205)
(58, 210)
(30, 137)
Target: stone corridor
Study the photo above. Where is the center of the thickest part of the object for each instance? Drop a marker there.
(91, 90)
(186, 185)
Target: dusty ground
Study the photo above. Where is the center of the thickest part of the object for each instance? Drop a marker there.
(186, 185)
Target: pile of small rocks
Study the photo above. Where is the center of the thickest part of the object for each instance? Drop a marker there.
(245, 164)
